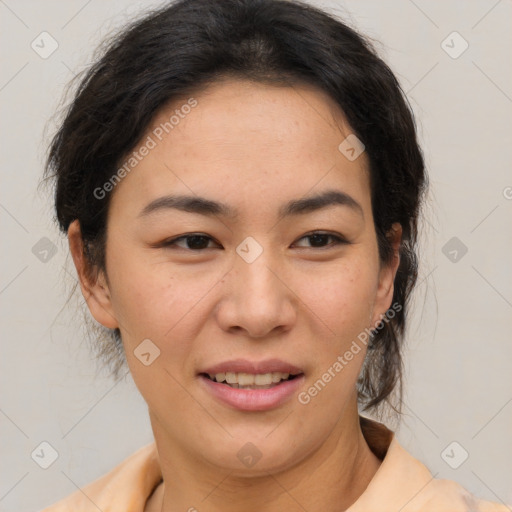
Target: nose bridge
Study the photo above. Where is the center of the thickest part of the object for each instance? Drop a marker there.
(257, 300)
(255, 281)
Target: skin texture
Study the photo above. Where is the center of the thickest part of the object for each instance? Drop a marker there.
(254, 147)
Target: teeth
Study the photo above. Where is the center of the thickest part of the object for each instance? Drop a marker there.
(263, 379)
(219, 377)
(249, 379)
(231, 378)
(245, 379)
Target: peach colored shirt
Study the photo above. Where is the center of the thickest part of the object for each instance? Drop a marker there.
(402, 483)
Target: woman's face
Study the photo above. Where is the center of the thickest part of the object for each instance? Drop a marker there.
(271, 276)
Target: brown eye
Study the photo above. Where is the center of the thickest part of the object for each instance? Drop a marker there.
(320, 240)
(193, 242)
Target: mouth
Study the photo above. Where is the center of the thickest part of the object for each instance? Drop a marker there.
(252, 386)
(252, 392)
(241, 380)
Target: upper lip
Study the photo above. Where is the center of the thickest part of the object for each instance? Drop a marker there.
(253, 367)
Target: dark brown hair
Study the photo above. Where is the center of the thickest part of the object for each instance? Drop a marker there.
(188, 44)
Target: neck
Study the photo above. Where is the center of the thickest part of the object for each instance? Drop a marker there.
(330, 479)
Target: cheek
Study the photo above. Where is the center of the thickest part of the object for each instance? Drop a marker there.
(160, 301)
(161, 308)
(342, 302)
(341, 297)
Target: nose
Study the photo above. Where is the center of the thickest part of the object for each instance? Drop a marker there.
(256, 298)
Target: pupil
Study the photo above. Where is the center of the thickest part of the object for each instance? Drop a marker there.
(318, 238)
(195, 242)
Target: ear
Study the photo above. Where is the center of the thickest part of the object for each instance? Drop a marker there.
(387, 275)
(92, 282)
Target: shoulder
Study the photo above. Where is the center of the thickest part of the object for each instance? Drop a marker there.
(449, 496)
(126, 487)
(403, 483)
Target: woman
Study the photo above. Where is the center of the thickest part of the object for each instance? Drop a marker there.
(240, 183)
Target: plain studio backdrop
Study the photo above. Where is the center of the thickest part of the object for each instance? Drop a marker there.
(453, 60)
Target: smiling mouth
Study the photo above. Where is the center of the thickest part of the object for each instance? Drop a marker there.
(250, 381)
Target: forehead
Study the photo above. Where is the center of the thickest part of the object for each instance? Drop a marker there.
(244, 141)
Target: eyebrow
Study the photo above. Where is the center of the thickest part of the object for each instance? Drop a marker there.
(208, 207)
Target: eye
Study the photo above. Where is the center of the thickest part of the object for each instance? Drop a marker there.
(197, 242)
(193, 242)
(318, 239)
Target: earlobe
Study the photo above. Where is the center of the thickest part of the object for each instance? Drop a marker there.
(387, 275)
(93, 284)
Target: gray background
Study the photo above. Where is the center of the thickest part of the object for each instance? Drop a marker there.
(458, 345)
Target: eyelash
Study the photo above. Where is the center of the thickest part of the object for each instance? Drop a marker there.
(339, 240)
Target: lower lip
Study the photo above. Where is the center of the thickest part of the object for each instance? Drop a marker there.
(253, 399)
